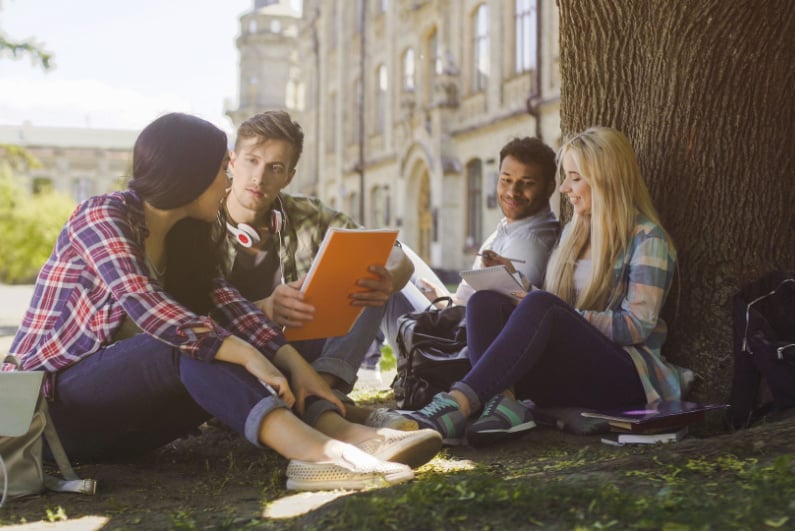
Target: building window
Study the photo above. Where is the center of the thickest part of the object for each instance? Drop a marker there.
(331, 124)
(480, 48)
(331, 27)
(42, 185)
(474, 176)
(82, 188)
(381, 80)
(358, 110)
(380, 206)
(525, 45)
(376, 207)
(409, 79)
(359, 15)
(252, 26)
(433, 62)
(352, 208)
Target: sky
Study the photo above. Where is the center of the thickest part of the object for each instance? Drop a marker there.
(120, 64)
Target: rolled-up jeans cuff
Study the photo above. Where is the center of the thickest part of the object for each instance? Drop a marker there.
(339, 368)
(257, 414)
(315, 407)
(472, 396)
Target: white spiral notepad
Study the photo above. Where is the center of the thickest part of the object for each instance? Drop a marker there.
(495, 278)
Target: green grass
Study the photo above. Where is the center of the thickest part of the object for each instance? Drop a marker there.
(697, 494)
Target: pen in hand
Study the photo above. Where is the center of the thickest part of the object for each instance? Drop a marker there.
(490, 255)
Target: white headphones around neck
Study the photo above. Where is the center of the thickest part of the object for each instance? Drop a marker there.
(246, 235)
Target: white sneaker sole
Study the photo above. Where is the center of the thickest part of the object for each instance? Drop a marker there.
(329, 476)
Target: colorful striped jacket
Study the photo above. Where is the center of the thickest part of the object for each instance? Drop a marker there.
(642, 279)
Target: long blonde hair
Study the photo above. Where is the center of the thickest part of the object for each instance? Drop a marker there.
(605, 159)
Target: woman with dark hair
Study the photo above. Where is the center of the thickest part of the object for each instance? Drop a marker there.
(143, 340)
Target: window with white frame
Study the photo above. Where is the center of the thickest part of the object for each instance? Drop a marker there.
(381, 80)
(474, 221)
(409, 76)
(480, 48)
(525, 35)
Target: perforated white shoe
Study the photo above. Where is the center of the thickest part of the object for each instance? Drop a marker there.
(383, 417)
(302, 475)
(412, 448)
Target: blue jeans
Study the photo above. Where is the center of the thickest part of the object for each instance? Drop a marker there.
(545, 351)
(342, 356)
(138, 394)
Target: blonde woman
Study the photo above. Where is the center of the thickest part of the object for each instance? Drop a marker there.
(593, 338)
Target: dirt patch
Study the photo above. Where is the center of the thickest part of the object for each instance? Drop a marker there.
(219, 481)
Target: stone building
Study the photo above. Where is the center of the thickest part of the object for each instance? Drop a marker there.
(79, 162)
(405, 105)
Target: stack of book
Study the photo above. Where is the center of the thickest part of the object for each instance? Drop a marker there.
(660, 422)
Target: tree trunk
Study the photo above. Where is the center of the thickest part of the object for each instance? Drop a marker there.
(704, 91)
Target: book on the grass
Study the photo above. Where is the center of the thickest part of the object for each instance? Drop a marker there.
(646, 438)
(495, 278)
(655, 417)
(343, 257)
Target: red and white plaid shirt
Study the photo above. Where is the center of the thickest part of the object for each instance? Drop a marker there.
(97, 276)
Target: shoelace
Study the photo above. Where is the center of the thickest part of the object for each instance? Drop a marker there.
(436, 406)
(491, 405)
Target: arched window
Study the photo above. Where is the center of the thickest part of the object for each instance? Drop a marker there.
(525, 35)
(480, 48)
(474, 201)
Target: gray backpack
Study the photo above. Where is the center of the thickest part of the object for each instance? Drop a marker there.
(24, 420)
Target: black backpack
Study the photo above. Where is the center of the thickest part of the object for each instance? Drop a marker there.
(431, 354)
(764, 348)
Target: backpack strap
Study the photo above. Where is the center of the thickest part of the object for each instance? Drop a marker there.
(71, 481)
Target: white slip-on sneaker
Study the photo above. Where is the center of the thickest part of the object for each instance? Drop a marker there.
(383, 417)
(303, 475)
(348, 468)
(412, 448)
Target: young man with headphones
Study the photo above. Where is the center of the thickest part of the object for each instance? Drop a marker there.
(274, 237)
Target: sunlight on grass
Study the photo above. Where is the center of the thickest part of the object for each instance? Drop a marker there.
(85, 523)
(301, 503)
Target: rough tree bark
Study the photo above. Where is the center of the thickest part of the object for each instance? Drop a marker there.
(704, 90)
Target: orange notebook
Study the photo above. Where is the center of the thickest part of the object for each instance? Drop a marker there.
(343, 258)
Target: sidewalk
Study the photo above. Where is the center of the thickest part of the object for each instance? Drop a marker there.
(15, 302)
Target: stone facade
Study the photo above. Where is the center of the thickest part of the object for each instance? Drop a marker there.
(437, 87)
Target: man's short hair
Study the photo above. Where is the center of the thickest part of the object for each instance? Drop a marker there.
(529, 150)
(273, 125)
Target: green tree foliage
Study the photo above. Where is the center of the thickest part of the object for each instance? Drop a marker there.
(18, 49)
(29, 226)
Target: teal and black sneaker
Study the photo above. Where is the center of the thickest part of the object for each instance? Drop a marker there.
(443, 415)
(502, 418)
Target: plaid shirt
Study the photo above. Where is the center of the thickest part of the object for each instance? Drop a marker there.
(97, 276)
(642, 279)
